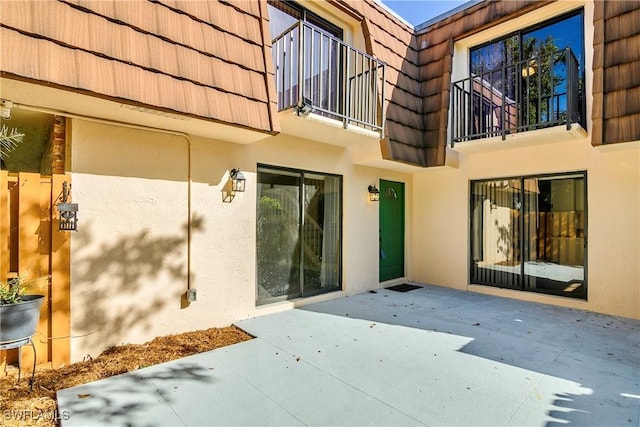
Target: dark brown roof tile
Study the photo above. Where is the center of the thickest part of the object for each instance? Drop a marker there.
(622, 129)
(622, 51)
(623, 26)
(620, 77)
(619, 7)
(622, 102)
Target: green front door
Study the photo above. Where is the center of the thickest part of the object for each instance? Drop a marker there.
(391, 230)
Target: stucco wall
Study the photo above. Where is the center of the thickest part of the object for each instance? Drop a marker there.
(441, 196)
(130, 258)
(441, 216)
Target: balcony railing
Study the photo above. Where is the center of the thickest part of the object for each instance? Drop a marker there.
(317, 71)
(535, 93)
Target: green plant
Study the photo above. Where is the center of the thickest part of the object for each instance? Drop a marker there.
(12, 290)
(9, 140)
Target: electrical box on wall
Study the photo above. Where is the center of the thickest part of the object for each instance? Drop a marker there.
(192, 295)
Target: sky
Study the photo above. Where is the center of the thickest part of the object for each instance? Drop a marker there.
(417, 12)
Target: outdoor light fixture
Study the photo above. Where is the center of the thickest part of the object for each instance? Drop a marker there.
(237, 180)
(237, 185)
(68, 220)
(530, 68)
(305, 107)
(5, 109)
(374, 193)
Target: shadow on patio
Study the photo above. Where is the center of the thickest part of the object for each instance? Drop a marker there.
(128, 399)
(562, 365)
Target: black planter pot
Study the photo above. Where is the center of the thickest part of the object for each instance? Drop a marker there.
(18, 321)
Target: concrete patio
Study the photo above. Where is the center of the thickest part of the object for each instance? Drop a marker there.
(431, 356)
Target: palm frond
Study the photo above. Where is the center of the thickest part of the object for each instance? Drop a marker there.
(9, 140)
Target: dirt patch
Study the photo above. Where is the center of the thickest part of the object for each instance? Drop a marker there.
(19, 406)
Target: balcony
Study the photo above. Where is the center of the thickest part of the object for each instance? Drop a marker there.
(537, 93)
(318, 73)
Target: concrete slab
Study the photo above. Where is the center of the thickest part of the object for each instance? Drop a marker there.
(432, 356)
(397, 419)
(448, 400)
(334, 402)
(130, 399)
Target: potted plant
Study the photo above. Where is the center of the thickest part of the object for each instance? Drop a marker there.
(19, 311)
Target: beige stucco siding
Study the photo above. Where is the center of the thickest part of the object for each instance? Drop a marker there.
(614, 227)
(441, 216)
(131, 258)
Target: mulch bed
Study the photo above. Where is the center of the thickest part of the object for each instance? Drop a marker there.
(20, 407)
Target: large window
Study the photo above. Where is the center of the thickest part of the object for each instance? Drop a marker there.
(298, 234)
(530, 79)
(529, 233)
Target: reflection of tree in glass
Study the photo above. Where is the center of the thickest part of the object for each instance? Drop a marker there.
(544, 88)
(508, 240)
(273, 240)
(526, 73)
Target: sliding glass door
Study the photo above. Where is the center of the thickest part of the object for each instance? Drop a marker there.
(496, 231)
(529, 233)
(555, 229)
(298, 234)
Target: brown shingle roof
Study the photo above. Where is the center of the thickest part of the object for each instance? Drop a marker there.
(616, 72)
(200, 58)
(212, 59)
(394, 42)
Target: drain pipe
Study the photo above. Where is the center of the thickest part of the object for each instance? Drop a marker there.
(190, 293)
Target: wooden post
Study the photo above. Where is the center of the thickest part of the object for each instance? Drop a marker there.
(58, 146)
(31, 245)
(29, 257)
(4, 240)
(4, 225)
(60, 283)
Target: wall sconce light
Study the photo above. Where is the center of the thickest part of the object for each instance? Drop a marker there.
(374, 193)
(5, 109)
(305, 107)
(68, 220)
(237, 180)
(237, 185)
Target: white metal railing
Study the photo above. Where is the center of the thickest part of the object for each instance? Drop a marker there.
(318, 71)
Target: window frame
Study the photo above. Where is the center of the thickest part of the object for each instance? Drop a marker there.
(302, 172)
(523, 239)
(528, 29)
(308, 16)
(519, 32)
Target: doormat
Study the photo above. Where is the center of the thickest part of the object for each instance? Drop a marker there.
(405, 287)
